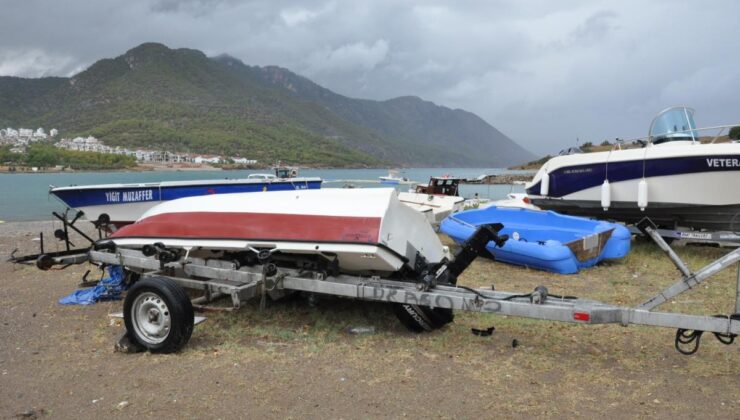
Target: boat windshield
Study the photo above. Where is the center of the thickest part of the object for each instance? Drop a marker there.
(283, 172)
(260, 176)
(674, 124)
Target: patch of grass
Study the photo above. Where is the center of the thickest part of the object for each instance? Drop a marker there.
(295, 325)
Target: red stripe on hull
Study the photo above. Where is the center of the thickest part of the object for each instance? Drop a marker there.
(216, 225)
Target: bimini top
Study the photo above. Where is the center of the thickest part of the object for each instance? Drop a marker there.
(673, 124)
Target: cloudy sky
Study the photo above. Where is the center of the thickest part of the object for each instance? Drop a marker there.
(543, 72)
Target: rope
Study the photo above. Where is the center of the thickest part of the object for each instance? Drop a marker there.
(692, 338)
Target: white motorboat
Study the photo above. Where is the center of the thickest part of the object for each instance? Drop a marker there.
(392, 178)
(437, 200)
(677, 179)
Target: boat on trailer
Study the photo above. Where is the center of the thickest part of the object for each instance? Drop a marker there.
(116, 205)
(354, 230)
(677, 178)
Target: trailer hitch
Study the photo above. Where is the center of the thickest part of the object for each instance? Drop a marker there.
(446, 272)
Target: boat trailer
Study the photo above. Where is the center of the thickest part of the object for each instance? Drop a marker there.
(72, 253)
(723, 238)
(158, 313)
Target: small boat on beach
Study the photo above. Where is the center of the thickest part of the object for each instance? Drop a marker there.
(438, 199)
(544, 240)
(117, 205)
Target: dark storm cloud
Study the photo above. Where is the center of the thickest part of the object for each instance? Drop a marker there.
(543, 72)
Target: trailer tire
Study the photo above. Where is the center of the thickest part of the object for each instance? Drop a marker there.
(158, 315)
(422, 318)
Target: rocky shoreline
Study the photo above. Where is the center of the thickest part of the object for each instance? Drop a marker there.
(502, 179)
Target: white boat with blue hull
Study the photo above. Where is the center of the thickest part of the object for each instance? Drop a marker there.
(122, 204)
(675, 179)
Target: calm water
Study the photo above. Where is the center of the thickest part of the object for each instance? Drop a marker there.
(25, 196)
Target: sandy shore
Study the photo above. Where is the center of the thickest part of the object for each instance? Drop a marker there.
(294, 360)
(23, 236)
(14, 229)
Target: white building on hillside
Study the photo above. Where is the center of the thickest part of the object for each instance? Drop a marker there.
(243, 161)
(206, 159)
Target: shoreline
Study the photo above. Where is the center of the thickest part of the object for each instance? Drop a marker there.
(33, 227)
(4, 170)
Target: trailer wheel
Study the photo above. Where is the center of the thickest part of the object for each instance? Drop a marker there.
(423, 318)
(158, 315)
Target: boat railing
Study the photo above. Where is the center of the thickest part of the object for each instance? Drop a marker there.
(720, 130)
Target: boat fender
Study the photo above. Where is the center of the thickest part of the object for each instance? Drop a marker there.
(642, 194)
(606, 199)
(545, 184)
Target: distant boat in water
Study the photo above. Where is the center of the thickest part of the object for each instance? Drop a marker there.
(392, 178)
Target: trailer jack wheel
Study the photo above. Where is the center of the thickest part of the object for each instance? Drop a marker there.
(158, 315)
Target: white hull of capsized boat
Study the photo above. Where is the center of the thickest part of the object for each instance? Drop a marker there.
(441, 206)
(366, 230)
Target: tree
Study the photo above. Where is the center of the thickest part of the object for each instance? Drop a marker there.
(735, 133)
(42, 156)
(8, 157)
(605, 143)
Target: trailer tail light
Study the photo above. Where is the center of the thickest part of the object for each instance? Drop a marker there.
(581, 316)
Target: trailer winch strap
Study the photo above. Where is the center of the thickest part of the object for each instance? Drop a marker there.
(684, 336)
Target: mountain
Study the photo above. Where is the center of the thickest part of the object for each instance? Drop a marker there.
(180, 99)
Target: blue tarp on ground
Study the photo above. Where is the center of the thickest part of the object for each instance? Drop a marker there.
(109, 288)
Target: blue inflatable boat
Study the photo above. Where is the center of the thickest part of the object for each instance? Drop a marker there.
(544, 240)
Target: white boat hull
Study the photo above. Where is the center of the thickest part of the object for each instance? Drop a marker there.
(440, 206)
(688, 184)
(366, 230)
